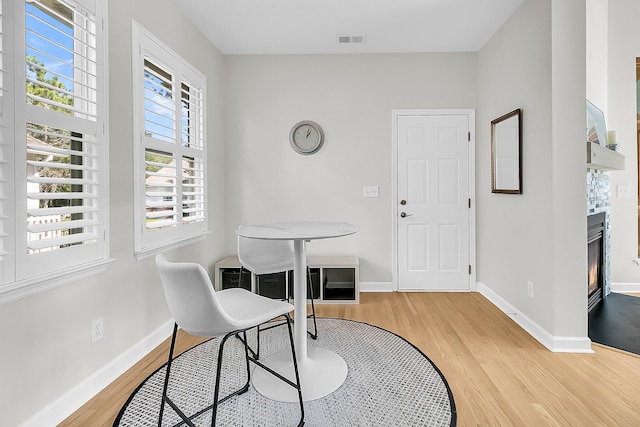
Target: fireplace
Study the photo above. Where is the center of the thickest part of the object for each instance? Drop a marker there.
(596, 256)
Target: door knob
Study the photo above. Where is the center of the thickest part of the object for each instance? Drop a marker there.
(403, 202)
(404, 214)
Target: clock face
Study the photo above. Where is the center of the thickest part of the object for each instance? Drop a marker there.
(306, 137)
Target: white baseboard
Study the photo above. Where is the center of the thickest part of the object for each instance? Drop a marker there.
(625, 287)
(68, 403)
(553, 343)
(376, 287)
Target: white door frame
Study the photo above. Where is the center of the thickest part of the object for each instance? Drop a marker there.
(471, 113)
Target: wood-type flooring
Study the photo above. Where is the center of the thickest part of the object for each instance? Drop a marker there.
(499, 374)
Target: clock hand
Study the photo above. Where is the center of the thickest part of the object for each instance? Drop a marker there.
(308, 131)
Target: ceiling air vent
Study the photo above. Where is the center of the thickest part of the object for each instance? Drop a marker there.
(350, 39)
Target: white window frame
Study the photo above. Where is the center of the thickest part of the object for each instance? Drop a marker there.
(24, 273)
(148, 241)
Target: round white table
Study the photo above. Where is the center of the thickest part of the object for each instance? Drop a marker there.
(321, 371)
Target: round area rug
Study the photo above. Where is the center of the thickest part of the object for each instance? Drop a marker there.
(390, 383)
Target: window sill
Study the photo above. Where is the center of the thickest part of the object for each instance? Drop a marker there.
(152, 251)
(24, 288)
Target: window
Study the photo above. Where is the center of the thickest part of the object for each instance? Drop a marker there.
(53, 142)
(170, 149)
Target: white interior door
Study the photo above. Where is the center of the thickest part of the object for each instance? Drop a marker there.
(433, 202)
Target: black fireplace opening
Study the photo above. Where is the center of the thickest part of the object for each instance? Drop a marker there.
(596, 256)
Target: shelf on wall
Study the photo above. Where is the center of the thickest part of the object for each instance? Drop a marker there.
(600, 157)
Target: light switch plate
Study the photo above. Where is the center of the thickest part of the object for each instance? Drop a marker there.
(370, 191)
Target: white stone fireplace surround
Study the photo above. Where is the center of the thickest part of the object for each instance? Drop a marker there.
(599, 200)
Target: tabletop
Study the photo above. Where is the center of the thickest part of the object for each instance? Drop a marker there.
(297, 230)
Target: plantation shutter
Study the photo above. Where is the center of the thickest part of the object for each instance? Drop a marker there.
(3, 46)
(172, 152)
(160, 127)
(7, 227)
(62, 201)
(193, 161)
(62, 130)
(161, 184)
(63, 38)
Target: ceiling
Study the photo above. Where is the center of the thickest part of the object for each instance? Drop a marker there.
(238, 27)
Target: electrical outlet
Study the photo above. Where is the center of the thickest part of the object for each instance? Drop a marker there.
(97, 330)
(370, 191)
(624, 191)
(530, 289)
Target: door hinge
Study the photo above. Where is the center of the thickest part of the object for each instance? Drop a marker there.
(469, 269)
(469, 136)
(469, 203)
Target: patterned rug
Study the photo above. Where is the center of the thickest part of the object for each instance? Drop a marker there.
(390, 383)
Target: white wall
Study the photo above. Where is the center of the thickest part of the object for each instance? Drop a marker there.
(597, 46)
(624, 47)
(351, 97)
(536, 63)
(569, 199)
(514, 71)
(46, 348)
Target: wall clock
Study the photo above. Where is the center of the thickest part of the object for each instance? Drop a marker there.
(306, 137)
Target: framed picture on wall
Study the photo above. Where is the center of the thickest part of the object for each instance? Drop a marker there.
(596, 127)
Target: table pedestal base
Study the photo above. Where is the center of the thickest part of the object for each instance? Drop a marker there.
(321, 373)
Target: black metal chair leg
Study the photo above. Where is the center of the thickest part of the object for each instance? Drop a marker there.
(166, 377)
(313, 335)
(216, 394)
(295, 369)
(165, 397)
(246, 357)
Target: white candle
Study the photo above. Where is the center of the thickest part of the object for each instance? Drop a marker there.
(612, 137)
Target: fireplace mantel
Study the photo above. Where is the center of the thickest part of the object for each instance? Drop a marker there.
(599, 157)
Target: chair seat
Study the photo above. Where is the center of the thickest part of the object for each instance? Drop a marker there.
(199, 310)
(247, 309)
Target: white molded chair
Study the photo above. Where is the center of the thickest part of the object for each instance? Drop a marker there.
(271, 256)
(199, 310)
